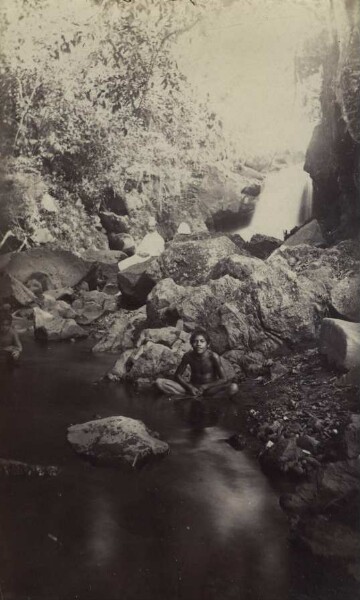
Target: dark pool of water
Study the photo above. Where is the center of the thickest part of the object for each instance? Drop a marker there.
(201, 524)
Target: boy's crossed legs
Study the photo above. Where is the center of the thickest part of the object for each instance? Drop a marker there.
(168, 386)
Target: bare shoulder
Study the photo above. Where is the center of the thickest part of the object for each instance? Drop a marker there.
(215, 356)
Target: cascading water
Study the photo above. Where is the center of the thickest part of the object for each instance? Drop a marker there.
(285, 202)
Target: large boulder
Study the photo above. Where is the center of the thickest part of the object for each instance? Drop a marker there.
(326, 512)
(51, 327)
(248, 305)
(338, 481)
(307, 234)
(137, 281)
(114, 223)
(122, 241)
(190, 261)
(325, 268)
(176, 210)
(14, 292)
(90, 306)
(340, 261)
(57, 307)
(283, 456)
(116, 441)
(123, 331)
(345, 297)
(163, 335)
(62, 267)
(225, 195)
(106, 260)
(277, 306)
(340, 343)
(152, 361)
(252, 190)
(158, 353)
(262, 246)
(121, 368)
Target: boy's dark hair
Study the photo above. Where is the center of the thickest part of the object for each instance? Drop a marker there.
(199, 331)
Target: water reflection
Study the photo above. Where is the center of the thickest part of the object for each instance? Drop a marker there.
(202, 524)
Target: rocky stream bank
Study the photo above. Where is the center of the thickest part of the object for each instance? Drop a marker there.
(274, 314)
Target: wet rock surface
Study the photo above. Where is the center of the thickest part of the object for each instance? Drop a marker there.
(116, 441)
(50, 327)
(16, 468)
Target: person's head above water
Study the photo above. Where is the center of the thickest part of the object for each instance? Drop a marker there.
(199, 340)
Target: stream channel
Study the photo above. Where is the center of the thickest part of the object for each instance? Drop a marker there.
(203, 523)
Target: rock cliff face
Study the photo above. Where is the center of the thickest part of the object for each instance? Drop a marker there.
(333, 156)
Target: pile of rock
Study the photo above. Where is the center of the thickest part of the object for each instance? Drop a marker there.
(50, 289)
(307, 421)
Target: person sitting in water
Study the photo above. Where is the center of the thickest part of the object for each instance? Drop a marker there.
(10, 343)
(207, 373)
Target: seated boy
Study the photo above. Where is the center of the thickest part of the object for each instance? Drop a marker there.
(9, 340)
(207, 373)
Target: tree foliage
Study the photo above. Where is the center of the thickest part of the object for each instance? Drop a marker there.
(92, 93)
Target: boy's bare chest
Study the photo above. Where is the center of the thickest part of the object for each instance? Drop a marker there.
(202, 365)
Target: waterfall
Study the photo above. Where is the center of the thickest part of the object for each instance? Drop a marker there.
(286, 201)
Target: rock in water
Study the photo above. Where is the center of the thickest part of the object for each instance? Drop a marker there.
(340, 343)
(90, 306)
(115, 441)
(152, 361)
(123, 331)
(16, 468)
(352, 437)
(54, 328)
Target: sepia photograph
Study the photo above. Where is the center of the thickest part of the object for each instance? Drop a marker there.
(179, 299)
